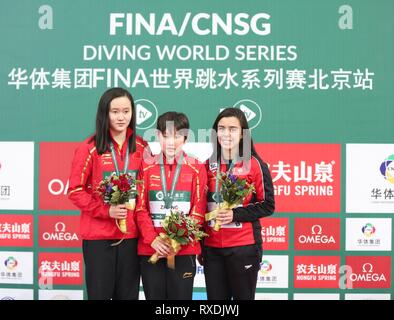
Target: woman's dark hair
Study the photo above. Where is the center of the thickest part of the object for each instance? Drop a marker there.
(237, 113)
(102, 136)
(180, 120)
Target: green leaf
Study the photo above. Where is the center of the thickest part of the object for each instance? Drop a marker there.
(180, 232)
(115, 197)
(182, 241)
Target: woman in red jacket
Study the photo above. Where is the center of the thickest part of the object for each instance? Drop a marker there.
(171, 181)
(111, 272)
(232, 255)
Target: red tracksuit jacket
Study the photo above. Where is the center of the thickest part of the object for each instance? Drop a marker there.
(88, 169)
(245, 228)
(190, 197)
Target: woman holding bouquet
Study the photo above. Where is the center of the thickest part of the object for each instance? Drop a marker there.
(232, 255)
(111, 272)
(172, 181)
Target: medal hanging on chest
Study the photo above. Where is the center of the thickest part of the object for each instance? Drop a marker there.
(169, 197)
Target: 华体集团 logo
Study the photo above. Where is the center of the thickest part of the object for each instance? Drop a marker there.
(387, 168)
(368, 230)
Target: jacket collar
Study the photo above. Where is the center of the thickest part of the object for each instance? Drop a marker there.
(129, 133)
(176, 159)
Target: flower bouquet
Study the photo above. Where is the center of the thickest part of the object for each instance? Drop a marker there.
(179, 230)
(116, 190)
(233, 191)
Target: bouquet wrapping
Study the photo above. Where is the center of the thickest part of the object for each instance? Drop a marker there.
(179, 230)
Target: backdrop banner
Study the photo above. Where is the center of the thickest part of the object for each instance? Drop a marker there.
(312, 77)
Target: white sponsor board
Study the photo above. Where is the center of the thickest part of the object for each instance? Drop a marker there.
(364, 234)
(274, 272)
(271, 296)
(60, 294)
(316, 296)
(367, 296)
(16, 267)
(370, 178)
(16, 175)
(199, 279)
(16, 294)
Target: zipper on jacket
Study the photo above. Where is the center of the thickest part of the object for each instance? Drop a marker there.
(120, 154)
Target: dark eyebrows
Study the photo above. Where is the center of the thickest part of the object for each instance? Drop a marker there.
(120, 108)
(230, 127)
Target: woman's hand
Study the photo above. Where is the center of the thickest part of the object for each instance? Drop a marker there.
(161, 247)
(225, 216)
(118, 212)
